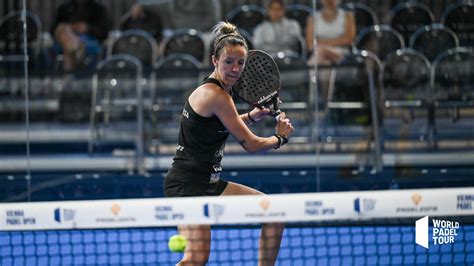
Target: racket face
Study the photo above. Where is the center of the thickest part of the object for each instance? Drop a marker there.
(259, 83)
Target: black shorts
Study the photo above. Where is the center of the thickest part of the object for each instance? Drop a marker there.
(183, 184)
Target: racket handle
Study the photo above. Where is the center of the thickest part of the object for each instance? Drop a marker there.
(276, 114)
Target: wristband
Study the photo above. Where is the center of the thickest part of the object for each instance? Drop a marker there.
(282, 140)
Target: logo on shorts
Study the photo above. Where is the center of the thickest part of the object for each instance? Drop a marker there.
(219, 153)
(185, 113)
(216, 174)
(443, 232)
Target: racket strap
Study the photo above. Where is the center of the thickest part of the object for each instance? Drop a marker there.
(250, 118)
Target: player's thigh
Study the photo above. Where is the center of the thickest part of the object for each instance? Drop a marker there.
(238, 189)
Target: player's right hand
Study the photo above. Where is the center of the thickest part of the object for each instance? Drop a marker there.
(283, 126)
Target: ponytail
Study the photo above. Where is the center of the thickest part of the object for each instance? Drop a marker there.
(226, 33)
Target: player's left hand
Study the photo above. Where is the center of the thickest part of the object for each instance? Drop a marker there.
(257, 113)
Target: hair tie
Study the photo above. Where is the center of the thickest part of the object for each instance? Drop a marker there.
(224, 36)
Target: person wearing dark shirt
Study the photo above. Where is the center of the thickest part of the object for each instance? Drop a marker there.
(143, 18)
(208, 117)
(79, 27)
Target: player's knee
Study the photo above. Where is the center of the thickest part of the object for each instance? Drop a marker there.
(274, 229)
(278, 226)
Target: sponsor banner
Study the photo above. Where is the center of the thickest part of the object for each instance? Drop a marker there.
(236, 209)
(465, 202)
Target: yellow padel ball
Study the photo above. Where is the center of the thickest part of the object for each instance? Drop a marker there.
(177, 243)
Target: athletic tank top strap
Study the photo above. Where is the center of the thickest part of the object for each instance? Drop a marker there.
(211, 80)
(215, 81)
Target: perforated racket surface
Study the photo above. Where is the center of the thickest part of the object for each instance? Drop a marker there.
(259, 83)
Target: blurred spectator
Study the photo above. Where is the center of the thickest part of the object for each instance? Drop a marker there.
(278, 33)
(79, 27)
(196, 14)
(335, 31)
(143, 18)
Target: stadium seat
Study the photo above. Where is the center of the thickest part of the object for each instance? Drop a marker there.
(246, 17)
(299, 13)
(407, 17)
(349, 113)
(116, 115)
(11, 40)
(459, 17)
(296, 94)
(433, 39)
(364, 15)
(294, 77)
(147, 26)
(185, 41)
(405, 82)
(380, 40)
(11, 31)
(138, 43)
(452, 80)
(301, 49)
(172, 78)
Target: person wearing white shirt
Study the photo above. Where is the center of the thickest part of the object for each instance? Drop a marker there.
(335, 30)
(278, 33)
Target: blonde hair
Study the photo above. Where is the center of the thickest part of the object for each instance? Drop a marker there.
(226, 33)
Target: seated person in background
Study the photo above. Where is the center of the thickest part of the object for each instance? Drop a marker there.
(335, 31)
(141, 17)
(201, 15)
(278, 33)
(79, 27)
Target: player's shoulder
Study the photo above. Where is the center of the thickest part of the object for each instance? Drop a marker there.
(212, 90)
(211, 87)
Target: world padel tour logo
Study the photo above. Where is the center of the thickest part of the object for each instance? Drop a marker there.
(443, 232)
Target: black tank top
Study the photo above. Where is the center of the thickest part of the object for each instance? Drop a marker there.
(201, 141)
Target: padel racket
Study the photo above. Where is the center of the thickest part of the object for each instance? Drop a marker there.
(259, 83)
